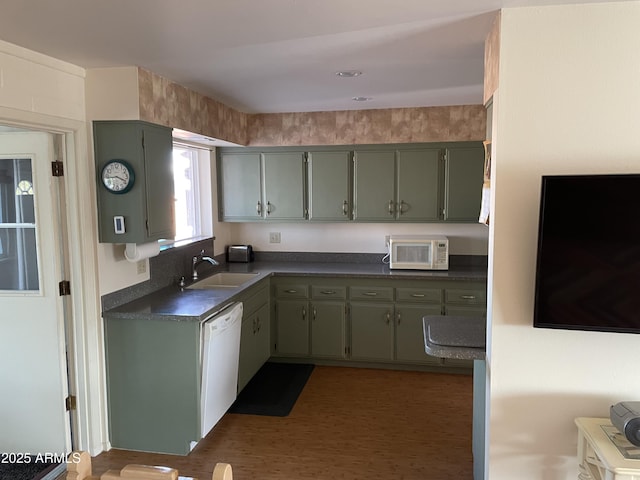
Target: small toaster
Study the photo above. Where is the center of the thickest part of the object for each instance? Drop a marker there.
(239, 253)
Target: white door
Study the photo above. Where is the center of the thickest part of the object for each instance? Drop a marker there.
(33, 375)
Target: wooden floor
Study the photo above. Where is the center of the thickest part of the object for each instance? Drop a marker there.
(348, 423)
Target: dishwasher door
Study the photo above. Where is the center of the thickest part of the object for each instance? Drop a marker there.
(220, 356)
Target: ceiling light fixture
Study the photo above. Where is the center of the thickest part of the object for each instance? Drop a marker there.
(361, 99)
(349, 73)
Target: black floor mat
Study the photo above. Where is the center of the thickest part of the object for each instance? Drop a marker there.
(25, 471)
(273, 391)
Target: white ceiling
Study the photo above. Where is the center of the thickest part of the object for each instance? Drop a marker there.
(276, 55)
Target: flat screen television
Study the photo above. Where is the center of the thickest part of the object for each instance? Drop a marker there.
(588, 259)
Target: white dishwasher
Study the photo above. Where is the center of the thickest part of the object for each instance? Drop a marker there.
(220, 356)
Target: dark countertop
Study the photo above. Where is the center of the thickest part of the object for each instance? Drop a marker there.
(183, 304)
(455, 336)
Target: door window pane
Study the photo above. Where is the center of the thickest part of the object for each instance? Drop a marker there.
(18, 253)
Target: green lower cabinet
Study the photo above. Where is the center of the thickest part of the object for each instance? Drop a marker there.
(409, 333)
(328, 327)
(372, 332)
(153, 384)
(254, 345)
(292, 327)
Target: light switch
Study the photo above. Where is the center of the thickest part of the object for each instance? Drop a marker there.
(118, 225)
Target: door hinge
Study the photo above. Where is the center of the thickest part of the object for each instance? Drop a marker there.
(57, 168)
(70, 402)
(64, 287)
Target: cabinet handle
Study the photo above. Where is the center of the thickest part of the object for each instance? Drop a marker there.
(399, 318)
(468, 297)
(418, 295)
(259, 208)
(314, 314)
(345, 208)
(390, 207)
(291, 290)
(255, 326)
(402, 205)
(268, 208)
(304, 313)
(388, 318)
(328, 292)
(370, 294)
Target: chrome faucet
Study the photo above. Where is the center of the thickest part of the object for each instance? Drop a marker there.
(197, 260)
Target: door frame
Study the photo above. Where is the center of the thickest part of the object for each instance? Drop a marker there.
(85, 321)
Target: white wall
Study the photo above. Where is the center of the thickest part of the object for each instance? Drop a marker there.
(465, 239)
(112, 94)
(568, 102)
(46, 94)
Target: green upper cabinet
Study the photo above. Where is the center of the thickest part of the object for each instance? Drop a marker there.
(256, 186)
(146, 207)
(464, 170)
(401, 184)
(427, 182)
(329, 180)
(417, 192)
(240, 192)
(284, 187)
(374, 185)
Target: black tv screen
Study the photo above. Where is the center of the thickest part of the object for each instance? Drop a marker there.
(588, 264)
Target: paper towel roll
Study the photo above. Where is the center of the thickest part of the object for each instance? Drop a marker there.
(134, 252)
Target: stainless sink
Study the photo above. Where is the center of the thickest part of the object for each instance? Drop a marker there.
(224, 280)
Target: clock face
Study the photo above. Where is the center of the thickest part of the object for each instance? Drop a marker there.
(117, 176)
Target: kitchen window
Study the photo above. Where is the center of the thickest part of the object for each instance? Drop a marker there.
(192, 184)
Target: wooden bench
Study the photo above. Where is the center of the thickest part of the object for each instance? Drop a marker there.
(80, 469)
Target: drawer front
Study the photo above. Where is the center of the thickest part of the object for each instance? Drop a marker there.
(422, 295)
(255, 301)
(319, 292)
(371, 293)
(292, 291)
(460, 296)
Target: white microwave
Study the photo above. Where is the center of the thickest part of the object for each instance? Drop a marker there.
(417, 252)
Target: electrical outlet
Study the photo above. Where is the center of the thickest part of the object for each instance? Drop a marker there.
(274, 237)
(142, 266)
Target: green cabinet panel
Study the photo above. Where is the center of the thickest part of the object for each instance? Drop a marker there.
(329, 179)
(372, 331)
(240, 191)
(292, 327)
(409, 333)
(464, 171)
(328, 328)
(284, 187)
(374, 180)
(254, 335)
(254, 344)
(148, 207)
(153, 384)
(418, 191)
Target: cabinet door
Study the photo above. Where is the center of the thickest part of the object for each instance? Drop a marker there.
(240, 191)
(418, 185)
(372, 331)
(148, 207)
(410, 333)
(329, 182)
(328, 329)
(284, 186)
(374, 181)
(464, 170)
(158, 164)
(292, 327)
(254, 345)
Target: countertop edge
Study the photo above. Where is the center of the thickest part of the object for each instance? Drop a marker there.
(197, 305)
